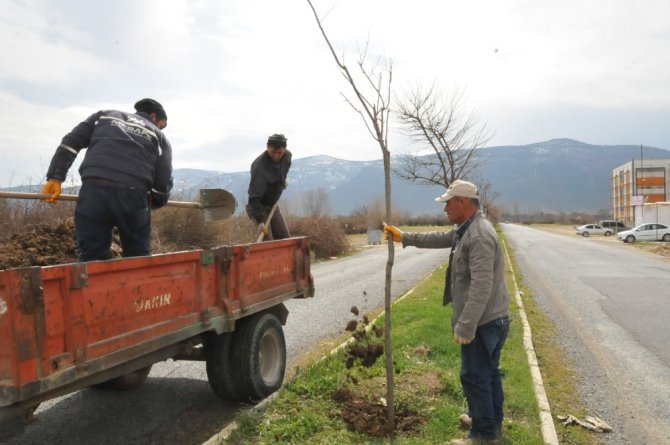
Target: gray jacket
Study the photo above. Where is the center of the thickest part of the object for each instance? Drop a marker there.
(478, 290)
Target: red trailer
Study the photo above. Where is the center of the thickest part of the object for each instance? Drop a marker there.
(67, 327)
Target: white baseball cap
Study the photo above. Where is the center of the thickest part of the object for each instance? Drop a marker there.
(459, 188)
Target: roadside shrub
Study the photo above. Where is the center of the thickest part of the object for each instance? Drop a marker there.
(352, 224)
(327, 236)
(424, 220)
(175, 229)
(572, 218)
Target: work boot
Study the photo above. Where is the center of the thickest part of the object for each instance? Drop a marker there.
(474, 441)
(465, 421)
(499, 431)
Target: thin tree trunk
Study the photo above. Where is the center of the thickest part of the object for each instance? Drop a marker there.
(390, 386)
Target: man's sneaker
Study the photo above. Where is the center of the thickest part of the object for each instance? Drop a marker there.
(474, 441)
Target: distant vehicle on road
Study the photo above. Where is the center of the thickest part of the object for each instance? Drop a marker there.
(615, 226)
(593, 229)
(646, 232)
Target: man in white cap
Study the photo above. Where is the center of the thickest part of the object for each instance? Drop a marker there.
(475, 284)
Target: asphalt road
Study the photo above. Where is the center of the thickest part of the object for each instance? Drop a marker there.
(611, 303)
(176, 406)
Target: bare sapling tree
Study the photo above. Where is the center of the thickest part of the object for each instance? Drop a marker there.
(371, 85)
(487, 197)
(443, 129)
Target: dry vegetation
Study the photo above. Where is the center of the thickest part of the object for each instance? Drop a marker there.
(33, 233)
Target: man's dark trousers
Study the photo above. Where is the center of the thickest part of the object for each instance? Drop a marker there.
(481, 379)
(100, 208)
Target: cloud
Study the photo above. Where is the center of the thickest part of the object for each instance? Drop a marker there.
(35, 53)
(230, 73)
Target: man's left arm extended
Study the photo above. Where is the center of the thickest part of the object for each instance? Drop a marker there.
(429, 240)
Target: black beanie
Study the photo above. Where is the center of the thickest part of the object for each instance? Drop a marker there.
(151, 106)
(277, 140)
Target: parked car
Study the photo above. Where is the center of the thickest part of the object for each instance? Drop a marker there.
(593, 229)
(616, 226)
(646, 232)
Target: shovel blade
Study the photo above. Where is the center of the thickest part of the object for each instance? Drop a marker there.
(217, 203)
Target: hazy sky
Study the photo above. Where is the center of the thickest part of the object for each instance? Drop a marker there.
(229, 73)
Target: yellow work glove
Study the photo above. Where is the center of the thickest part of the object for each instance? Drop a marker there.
(52, 188)
(460, 340)
(396, 234)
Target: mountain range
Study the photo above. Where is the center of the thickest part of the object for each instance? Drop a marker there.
(559, 175)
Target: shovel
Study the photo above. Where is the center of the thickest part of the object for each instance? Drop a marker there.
(217, 203)
(267, 222)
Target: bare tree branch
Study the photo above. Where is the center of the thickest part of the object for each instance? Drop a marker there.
(439, 124)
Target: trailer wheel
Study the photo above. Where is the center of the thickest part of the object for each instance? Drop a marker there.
(14, 420)
(224, 378)
(127, 381)
(260, 351)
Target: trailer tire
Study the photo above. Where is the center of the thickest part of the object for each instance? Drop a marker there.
(126, 381)
(260, 353)
(13, 421)
(224, 378)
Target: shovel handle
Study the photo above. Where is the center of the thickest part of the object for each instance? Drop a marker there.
(63, 197)
(267, 221)
(19, 195)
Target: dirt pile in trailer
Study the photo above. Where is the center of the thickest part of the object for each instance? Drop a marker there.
(42, 245)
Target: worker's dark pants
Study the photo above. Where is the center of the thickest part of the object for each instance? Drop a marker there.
(100, 208)
(481, 379)
(278, 228)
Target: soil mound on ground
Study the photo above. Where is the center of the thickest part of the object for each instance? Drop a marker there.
(366, 417)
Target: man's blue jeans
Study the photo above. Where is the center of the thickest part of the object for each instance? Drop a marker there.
(481, 380)
(100, 208)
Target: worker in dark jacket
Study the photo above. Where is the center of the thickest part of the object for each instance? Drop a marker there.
(126, 172)
(268, 181)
